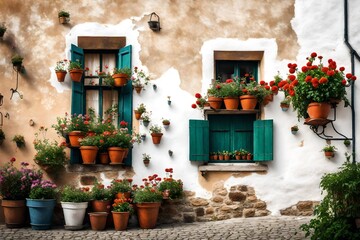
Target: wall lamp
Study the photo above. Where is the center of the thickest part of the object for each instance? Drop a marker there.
(154, 24)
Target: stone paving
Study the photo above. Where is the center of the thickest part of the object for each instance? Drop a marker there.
(239, 228)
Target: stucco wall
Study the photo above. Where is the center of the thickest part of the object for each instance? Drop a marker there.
(180, 61)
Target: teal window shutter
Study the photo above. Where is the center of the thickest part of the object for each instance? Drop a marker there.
(125, 95)
(199, 140)
(78, 97)
(263, 140)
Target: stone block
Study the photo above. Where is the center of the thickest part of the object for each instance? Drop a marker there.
(237, 214)
(261, 213)
(199, 202)
(222, 217)
(242, 188)
(87, 180)
(249, 212)
(189, 217)
(251, 198)
(305, 205)
(209, 210)
(228, 202)
(226, 209)
(248, 204)
(251, 191)
(189, 193)
(199, 212)
(217, 199)
(237, 196)
(260, 205)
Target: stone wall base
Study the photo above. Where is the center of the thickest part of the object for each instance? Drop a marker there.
(302, 208)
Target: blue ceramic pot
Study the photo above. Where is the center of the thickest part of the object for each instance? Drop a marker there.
(41, 213)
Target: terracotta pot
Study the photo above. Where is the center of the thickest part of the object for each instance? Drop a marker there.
(231, 103)
(226, 157)
(74, 137)
(138, 89)
(104, 158)
(15, 213)
(148, 214)
(98, 220)
(156, 137)
(88, 154)
(221, 157)
(137, 114)
(329, 154)
(319, 110)
(76, 74)
(248, 102)
(215, 102)
(237, 157)
(146, 162)
(121, 195)
(284, 106)
(120, 79)
(126, 152)
(249, 157)
(64, 20)
(267, 99)
(121, 220)
(216, 157)
(60, 75)
(116, 155)
(101, 205)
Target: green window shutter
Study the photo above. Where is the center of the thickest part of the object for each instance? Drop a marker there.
(199, 140)
(263, 140)
(125, 95)
(77, 98)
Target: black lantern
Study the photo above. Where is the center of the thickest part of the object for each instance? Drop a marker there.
(154, 24)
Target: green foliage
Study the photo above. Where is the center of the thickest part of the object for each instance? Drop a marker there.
(336, 213)
(99, 192)
(49, 153)
(43, 189)
(139, 79)
(255, 89)
(120, 186)
(230, 88)
(141, 108)
(214, 90)
(120, 205)
(155, 129)
(147, 194)
(329, 148)
(75, 65)
(19, 140)
(90, 140)
(63, 13)
(174, 186)
(17, 59)
(120, 138)
(124, 70)
(72, 194)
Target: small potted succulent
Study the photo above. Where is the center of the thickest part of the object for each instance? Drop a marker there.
(346, 142)
(139, 111)
(19, 140)
(329, 151)
(145, 117)
(64, 17)
(294, 129)
(166, 123)
(76, 71)
(17, 61)
(146, 159)
(285, 104)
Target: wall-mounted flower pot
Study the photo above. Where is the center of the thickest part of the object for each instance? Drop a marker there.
(64, 20)
(145, 123)
(61, 75)
(284, 107)
(76, 74)
(137, 114)
(319, 110)
(120, 79)
(146, 162)
(156, 137)
(329, 155)
(138, 89)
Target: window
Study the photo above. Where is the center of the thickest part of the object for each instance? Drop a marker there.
(91, 92)
(232, 130)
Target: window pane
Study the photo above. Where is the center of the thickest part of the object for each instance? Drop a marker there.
(92, 100)
(91, 81)
(110, 99)
(109, 62)
(92, 61)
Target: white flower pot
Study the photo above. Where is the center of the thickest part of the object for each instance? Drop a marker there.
(74, 214)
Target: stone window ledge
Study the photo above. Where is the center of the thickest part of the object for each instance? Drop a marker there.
(95, 168)
(229, 167)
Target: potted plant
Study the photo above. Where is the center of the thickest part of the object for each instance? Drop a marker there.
(201, 102)
(329, 151)
(226, 155)
(108, 80)
(294, 129)
(316, 86)
(347, 142)
(76, 71)
(139, 110)
(237, 154)
(252, 93)
(60, 69)
(146, 159)
(17, 60)
(74, 202)
(89, 148)
(230, 92)
(19, 140)
(101, 199)
(119, 142)
(41, 204)
(139, 80)
(50, 155)
(169, 100)
(64, 17)
(285, 104)
(2, 29)
(121, 188)
(171, 188)
(148, 200)
(145, 117)
(2, 136)
(166, 123)
(121, 212)
(15, 186)
(121, 76)
(214, 96)
(156, 133)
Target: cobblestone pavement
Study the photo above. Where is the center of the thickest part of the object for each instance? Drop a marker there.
(240, 228)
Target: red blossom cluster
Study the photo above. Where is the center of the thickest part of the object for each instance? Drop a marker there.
(200, 101)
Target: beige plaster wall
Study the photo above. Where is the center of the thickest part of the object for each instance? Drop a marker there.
(34, 32)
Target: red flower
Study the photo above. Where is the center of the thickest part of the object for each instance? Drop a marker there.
(342, 69)
(353, 78)
(289, 65)
(313, 55)
(267, 87)
(12, 159)
(292, 77)
(308, 64)
(262, 82)
(323, 80)
(349, 75)
(314, 67)
(193, 105)
(308, 78)
(274, 88)
(325, 69)
(218, 86)
(291, 70)
(229, 80)
(272, 83)
(330, 73)
(304, 69)
(343, 82)
(198, 102)
(198, 95)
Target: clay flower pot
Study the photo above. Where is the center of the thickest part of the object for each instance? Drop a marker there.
(231, 103)
(98, 220)
(319, 110)
(248, 102)
(121, 220)
(147, 214)
(88, 154)
(215, 102)
(156, 137)
(76, 74)
(74, 137)
(120, 79)
(14, 213)
(116, 155)
(60, 75)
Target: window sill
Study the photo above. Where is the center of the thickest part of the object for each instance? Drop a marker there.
(95, 168)
(209, 111)
(230, 167)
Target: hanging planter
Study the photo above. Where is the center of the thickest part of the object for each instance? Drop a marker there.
(329, 151)
(17, 60)
(319, 110)
(76, 74)
(138, 89)
(156, 134)
(294, 129)
(139, 111)
(166, 123)
(64, 17)
(19, 140)
(61, 75)
(146, 159)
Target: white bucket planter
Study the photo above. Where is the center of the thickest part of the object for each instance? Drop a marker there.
(74, 214)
